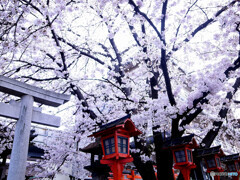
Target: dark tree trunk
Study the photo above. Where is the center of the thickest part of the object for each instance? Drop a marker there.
(145, 169)
(153, 84)
(164, 159)
(3, 168)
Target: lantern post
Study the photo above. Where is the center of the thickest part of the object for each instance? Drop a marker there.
(212, 157)
(116, 145)
(182, 153)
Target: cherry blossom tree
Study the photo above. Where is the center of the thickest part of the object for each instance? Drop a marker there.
(173, 65)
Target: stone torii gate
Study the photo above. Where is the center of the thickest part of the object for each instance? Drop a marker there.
(25, 113)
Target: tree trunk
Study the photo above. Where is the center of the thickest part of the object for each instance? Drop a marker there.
(3, 168)
(164, 159)
(145, 169)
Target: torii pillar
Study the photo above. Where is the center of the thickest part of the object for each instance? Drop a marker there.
(26, 113)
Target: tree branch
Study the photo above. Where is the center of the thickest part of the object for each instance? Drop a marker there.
(137, 10)
(211, 135)
(74, 88)
(205, 24)
(202, 100)
(163, 57)
(39, 80)
(81, 52)
(179, 26)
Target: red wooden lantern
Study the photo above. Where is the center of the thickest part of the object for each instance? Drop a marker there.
(212, 159)
(115, 143)
(232, 162)
(182, 154)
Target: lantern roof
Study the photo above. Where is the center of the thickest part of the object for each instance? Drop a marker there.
(181, 141)
(124, 122)
(233, 157)
(115, 123)
(210, 151)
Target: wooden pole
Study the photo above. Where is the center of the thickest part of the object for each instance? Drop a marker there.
(19, 153)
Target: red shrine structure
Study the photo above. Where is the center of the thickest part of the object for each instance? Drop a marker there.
(115, 144)
(212, 157)
(182, 153)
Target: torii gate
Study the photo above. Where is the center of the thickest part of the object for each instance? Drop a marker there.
(25, 113)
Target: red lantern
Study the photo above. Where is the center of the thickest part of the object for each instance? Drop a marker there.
(115, 144)
(212, 159)
(182, 154)
(232, 162)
